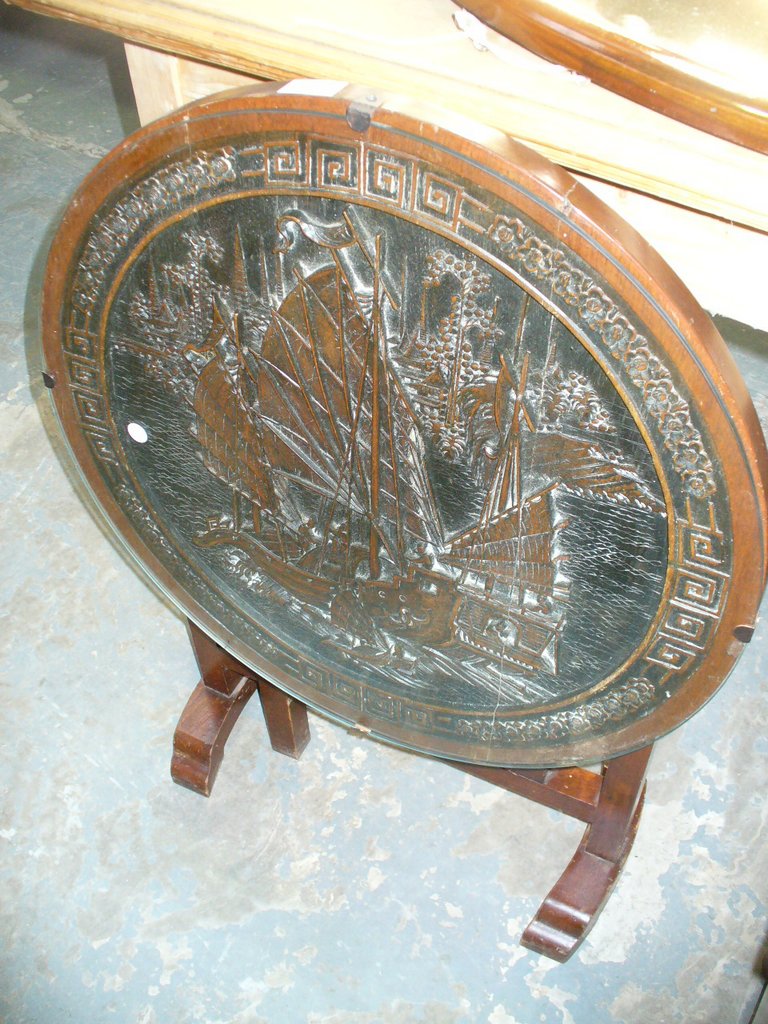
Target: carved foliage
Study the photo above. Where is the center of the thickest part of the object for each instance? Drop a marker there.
(170, 187)
(623, 341)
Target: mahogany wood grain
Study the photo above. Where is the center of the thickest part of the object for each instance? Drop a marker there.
(218, 669)
(609, 803)
(286, 718)
(574, 791)
(574, 903)
(203, 730)
(572, 906)
(666, 82)
(218, 699)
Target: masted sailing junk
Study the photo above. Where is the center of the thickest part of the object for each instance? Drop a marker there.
(317, 415)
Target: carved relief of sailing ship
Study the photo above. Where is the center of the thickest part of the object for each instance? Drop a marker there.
(323, 415)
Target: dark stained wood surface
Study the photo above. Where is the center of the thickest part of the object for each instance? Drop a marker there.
(574, 791)
(286, 720)
(609, 802)
(214, 707)
(202, 731)
(691, 349)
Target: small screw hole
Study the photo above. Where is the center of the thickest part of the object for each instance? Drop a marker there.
(137, 433)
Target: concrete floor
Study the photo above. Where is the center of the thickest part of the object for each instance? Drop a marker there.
(360, 885)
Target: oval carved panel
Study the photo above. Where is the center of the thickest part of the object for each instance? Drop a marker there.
(410, 425)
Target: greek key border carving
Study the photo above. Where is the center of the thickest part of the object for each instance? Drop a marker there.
(297, 163)
(699, 578)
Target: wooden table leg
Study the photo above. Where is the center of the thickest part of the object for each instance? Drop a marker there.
(609, 804)
(210, 714)
(202, 732)
(574, 903)
(225, 687)
(286, 719)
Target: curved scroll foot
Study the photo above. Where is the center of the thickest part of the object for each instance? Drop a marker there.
(202, 732)
(574, 903)
(572, 907)
(214, 707)
(609, 803)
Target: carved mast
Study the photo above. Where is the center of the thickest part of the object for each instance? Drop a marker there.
(374, 562)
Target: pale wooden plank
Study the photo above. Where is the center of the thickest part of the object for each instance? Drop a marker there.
(719, 262)
(709, 254)
(417, 48)
(162, 82)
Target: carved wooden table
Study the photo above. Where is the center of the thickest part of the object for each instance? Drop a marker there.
(418, 434)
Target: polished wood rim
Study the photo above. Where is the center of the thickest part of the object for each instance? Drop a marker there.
(580, 224)
(643, 73)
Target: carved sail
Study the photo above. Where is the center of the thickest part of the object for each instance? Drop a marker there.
(584, 467)
(510, 610)
(338, 427)
(516, 547)
(225, 426)
(311, 427)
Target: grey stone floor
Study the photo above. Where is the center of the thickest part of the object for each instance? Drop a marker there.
(360, 885)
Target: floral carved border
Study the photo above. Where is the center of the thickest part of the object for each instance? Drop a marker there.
(602, 316)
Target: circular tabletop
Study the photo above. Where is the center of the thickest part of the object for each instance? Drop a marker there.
(411, 424)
